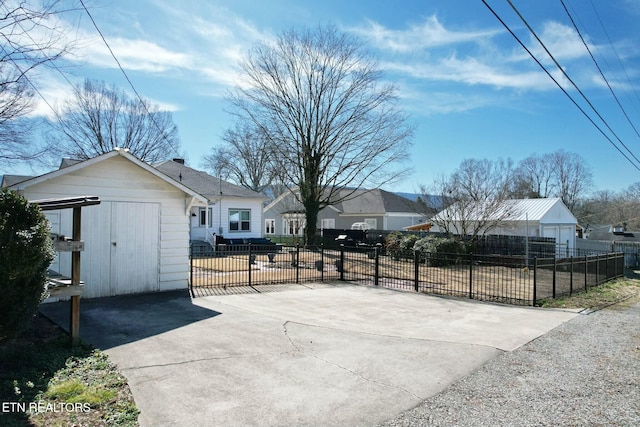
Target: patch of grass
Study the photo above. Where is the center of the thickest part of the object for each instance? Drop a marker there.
(60, 385)
(598, 297)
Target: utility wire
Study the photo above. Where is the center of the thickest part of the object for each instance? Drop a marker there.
(144, 105)
(570, 80)
(613, 48)
(599, 69)
(559, 85)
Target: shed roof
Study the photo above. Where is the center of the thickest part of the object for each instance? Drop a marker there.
(117, 152)
(520, 210)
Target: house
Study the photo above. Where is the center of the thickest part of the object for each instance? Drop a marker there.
(612, 233)
(232, 211)
(137, 238)
(380, 209)
(519, 217)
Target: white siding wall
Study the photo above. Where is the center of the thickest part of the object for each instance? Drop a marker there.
(221, 217)
(118, 180)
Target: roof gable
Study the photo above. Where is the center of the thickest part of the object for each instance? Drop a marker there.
(103, 157)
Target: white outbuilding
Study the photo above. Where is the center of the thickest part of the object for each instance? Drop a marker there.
(548, 217)
(137, 238)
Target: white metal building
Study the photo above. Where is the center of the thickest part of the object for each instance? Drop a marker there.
(534, 218)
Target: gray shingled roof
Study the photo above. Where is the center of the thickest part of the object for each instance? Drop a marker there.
(377, 201)
(9, 180)
(203, 183)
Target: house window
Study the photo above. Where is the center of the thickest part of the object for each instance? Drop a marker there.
(269, 226)
(203, 217)
(239, 220)
(328, 223)
(293, 225)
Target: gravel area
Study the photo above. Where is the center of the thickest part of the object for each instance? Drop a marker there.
(585, 372)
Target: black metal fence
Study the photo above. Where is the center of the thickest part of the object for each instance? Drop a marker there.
(501, 278)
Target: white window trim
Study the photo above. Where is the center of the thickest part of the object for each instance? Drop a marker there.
(209, 218)
(285, 224)
(269, 226)
(240, 221)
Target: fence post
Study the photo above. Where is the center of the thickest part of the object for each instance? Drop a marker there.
(586, 270)
(297, 262)
(571, 278)
(471, 276)
(376, 274)
(191, 269)
(555, 267)
(535, 278)
(597, 270)
(250, 264)
(342, 262)
(416, 270)
(322, 262)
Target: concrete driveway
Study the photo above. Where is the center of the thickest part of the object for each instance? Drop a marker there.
(313, 355)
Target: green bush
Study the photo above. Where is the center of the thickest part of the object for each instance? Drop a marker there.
(444, 251)
(392, 244)
(25, 255)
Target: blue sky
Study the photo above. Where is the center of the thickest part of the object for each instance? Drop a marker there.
(471, 90)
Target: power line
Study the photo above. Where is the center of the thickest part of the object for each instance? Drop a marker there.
(559, 85)
(144, 105)
(569, 78)
(613, 48)
(599, 69)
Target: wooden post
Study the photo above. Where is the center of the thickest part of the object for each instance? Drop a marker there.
(74, 327)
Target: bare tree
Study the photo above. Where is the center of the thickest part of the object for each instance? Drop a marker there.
(29, 38)
(244, 159)
(318, 98)
(101, 118)
(558, 174)
(608, 208)
(534, 177)
(572, 175)
(475, 197)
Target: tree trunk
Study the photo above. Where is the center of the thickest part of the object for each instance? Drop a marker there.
(311, 208)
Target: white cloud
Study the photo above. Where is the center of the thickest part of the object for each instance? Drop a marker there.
(138, 55)
(562, 41)
(428, 34)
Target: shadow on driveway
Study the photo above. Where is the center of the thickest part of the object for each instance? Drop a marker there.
(113, 321)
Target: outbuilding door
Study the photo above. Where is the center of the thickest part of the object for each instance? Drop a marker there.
(121, 248)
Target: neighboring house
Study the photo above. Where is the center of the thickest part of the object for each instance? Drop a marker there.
(526, 217)
(610, 238)
(611, 233)
(232, 211)
(136, 239)
(380, 209)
